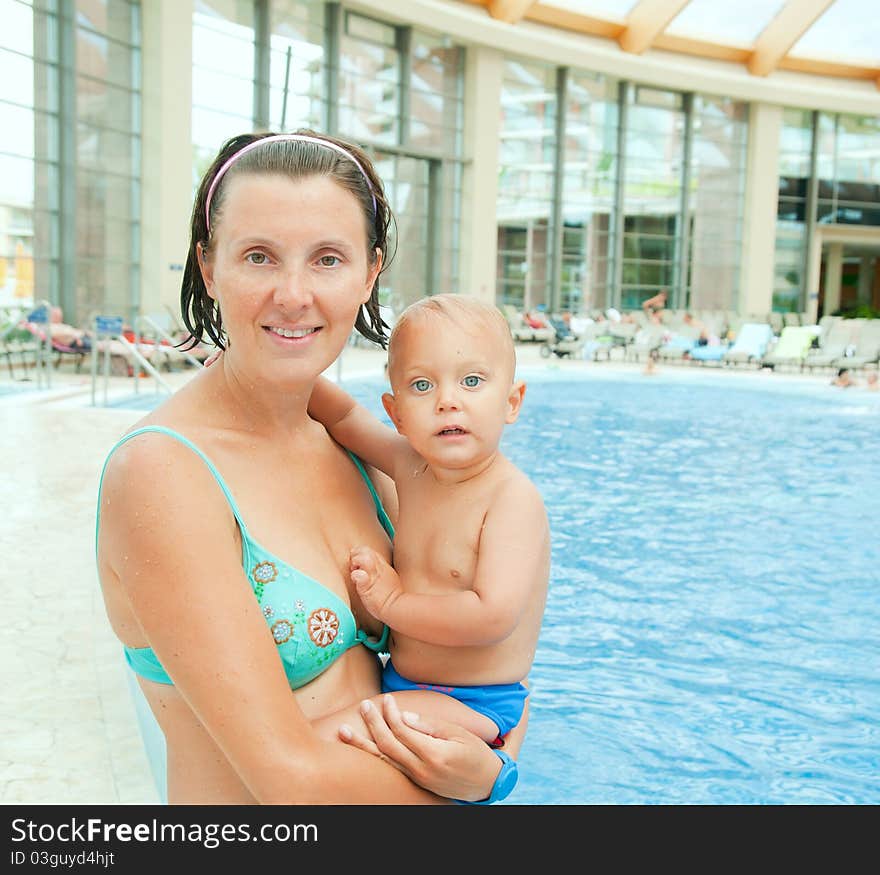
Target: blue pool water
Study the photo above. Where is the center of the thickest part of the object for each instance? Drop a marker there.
(712, 632)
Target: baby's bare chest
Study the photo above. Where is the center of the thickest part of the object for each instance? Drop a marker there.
(438, 532)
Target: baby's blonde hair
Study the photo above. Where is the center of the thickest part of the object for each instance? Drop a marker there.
(468, 313)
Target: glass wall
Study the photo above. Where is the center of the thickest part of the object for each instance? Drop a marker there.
(645, 192)
(829, 174)
(525, 183)
(652, 226)
(588, 192)
(222, 78)
(108, 157)
(297, 83)
(795, 150)
(848, 168)
(29, 155)
(716, 187)
(70, 74)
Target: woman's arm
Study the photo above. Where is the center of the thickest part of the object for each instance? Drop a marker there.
(194, 606)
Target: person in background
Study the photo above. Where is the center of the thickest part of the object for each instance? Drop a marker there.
(843, 379)
(656, 303)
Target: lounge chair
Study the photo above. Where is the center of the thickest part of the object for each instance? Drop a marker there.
(709, 352)
(682, 339)
(792, 347)
(833, 343)
(591, 342)
(18, 342)
(749, 345)
(75, 352)
(677, 348)
(646, 342)
(866, 350)
(521, 331)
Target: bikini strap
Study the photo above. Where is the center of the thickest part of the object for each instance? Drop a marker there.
(161, 429)
(380, 511)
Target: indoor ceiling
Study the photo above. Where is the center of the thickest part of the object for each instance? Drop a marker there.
(822, 37)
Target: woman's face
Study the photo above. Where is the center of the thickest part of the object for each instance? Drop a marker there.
(289, 268)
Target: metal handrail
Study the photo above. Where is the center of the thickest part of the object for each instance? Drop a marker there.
(145, 364)
(166, 336)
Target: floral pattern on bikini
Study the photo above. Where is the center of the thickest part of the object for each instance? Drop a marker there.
(263, 573)
(282, 631)
(323, 627)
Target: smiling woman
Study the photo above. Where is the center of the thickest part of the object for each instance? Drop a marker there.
(250, 663)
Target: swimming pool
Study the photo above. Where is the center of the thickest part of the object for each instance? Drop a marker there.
(711, 632)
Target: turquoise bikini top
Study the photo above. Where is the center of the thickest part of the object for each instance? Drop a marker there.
(311, 625)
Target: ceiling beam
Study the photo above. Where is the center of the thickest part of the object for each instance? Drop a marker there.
(510, 11)
(789, 25)
(647, 20)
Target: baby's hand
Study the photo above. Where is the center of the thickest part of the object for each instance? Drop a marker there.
(376, 581)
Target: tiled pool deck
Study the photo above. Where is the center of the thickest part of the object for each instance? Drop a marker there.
(67, 726)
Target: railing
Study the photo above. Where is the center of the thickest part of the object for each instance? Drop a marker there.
(108, 330)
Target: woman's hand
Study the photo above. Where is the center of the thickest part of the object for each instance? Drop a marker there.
(441, 757)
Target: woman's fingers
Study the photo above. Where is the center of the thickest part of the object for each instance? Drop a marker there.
(383, 743)
(361, 742)
(385, 727)
(441, 756)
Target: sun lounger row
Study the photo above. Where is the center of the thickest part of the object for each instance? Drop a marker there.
(834, 344)
(847, 343)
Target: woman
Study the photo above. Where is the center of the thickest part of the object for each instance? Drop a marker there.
(226, 516)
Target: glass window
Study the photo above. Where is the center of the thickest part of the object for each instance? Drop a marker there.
(716, 202)
(654, 145)
(600, 8)
(435, 101)
(791, 229)
(525, 176)
(407, 186)
(369, 90)
(297, 97)
(737, 23)
(848, 30)
(17, 33)
(223, 75)
(105, 152)
(848, 166)
(588, 191)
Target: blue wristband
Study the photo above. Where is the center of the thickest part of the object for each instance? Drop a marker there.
(504, 783)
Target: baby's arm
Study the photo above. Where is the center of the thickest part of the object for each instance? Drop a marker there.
(512, 550)
(353, 426)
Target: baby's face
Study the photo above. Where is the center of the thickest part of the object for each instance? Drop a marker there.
(453, 391)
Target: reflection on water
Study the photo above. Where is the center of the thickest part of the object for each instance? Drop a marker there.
(711, 628)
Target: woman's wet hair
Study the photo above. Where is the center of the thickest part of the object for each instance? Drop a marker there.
(296, 159)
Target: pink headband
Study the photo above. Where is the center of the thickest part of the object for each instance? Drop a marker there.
(279, 138)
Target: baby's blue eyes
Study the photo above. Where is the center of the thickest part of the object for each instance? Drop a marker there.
(471, 381)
